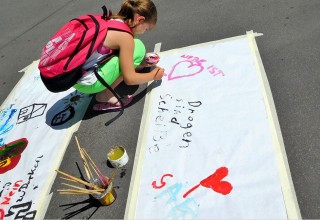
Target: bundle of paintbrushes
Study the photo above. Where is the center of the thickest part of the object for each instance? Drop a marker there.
(97, 183)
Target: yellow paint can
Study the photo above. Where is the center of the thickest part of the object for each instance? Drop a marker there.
(108, 196)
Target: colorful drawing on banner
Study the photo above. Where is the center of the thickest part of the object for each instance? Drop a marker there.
(162, 183)
(30, 112)
(179, 208)
(2, 214)
(68, 112)
(215, 182)
(10, 154)
(36, 78)
(31, 175)
(6, 116)
(9, 192)
(189, 207)
(21, 211)
(191, 66)
(6, 122)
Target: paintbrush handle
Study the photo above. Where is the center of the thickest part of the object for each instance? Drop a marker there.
(77, 187)
(102, 178)
(75, 193)
(79, 191)
(85, 164)
(75, 190)
(71, 180)
(79, 180)
(84, 161)
(113, 175)
(92, 162)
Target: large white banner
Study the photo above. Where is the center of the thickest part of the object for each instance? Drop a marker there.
(209, 146)
(35, 129)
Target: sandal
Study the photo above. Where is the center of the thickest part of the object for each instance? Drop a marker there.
(103, 106)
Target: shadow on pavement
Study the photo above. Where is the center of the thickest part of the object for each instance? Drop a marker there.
(91, 202)
(64, 113)
(122, 90)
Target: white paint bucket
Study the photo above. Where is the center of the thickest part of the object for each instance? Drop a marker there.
(118, 156)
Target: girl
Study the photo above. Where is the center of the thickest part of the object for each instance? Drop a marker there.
(140, 16)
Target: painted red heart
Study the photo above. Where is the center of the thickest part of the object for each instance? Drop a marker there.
(215, 182)
(185, 68)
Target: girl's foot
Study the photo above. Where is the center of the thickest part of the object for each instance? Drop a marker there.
(104, 106)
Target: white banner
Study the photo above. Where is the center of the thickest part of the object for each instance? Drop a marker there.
(35, 129)
(207, 148)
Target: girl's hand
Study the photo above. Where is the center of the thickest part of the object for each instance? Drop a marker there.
(159, 72)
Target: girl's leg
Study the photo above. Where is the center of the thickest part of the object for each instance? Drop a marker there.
(106, 95)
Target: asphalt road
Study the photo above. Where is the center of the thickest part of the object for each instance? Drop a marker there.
(289, 48)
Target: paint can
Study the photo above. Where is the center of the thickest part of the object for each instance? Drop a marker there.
(108, 196)
(152, 58)
(118, 156)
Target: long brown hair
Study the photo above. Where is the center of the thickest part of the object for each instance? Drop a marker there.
(145, 8)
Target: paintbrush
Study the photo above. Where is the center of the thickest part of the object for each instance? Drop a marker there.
(76, 187)
(86, 165)
(103, 179)
(84, 161)
(79, 180)
(78, 191)
(75, 193)
(71, 180)
(113, 175)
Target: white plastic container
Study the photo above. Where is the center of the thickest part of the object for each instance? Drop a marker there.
(118, 156)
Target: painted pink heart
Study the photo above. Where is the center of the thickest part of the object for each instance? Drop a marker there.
(185, 68)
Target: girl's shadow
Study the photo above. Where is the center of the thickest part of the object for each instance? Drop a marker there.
(123, 89)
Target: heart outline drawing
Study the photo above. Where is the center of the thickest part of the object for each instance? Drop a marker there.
(192, 64)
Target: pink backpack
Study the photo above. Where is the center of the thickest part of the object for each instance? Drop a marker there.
(64, 55)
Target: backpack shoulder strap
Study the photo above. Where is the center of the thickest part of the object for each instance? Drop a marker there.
(119, 25)
(106, 13)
